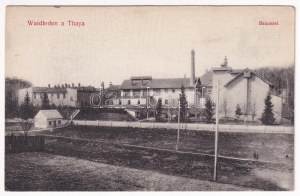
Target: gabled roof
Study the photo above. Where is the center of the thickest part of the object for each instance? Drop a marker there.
(50, 114)
(207, 78)
(242, 73)
(156, 83)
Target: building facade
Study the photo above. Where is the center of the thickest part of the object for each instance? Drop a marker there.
(245, 88)
(144, 91)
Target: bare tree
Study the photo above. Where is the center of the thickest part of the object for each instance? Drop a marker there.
(253, 110)
(225, 108)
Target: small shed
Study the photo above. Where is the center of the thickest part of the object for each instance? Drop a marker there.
(48, 119)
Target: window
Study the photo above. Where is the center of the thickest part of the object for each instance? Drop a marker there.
(139, 102)
(57, 95)
(166, 90)
(34, 95)
(50, 123)
(120, 102)
(71, 98)
(58, 122)
(173, 90)
(128, 102)
(136, 93)
(64, 95)
(166, 102)
(126, 93)
(51, 94)
(156, 92)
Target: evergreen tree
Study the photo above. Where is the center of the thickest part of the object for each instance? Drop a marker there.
(11, 105)
(238, 111)
(268, 116)
(26, 114)
(26, 109)
(45, 102)
(158, 110)
(183, 105)
(209, 110)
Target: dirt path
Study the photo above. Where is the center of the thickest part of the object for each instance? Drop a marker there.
(46, 172)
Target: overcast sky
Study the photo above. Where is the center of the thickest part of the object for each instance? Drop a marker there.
(119, 42)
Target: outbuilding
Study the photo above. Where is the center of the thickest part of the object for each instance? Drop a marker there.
(48, 119)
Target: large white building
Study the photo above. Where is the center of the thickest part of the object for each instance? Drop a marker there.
(245, 88)
(144, 91)
(240, 87)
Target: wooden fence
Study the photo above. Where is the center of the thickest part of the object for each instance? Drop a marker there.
(192, 126)
(15, 144)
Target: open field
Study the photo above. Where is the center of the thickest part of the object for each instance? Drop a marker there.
(105, 145)
(269, 147)
(46, 172)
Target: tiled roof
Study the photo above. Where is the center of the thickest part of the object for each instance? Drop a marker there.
(207, 78)
(241, 72)
(156, 83)
(50, 114)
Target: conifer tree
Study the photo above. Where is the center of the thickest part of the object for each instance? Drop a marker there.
(268, 116)
(209, 110)
(158, 110)
(45, 102)
(183, 105)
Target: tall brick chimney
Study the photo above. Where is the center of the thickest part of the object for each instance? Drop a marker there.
(102, 85)
(192, 79)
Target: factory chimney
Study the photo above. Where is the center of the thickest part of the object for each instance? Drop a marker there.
(102, 85)
(192, 79)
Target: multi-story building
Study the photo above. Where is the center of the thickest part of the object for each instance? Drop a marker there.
(70, 95)
(144, 91)
(245, 88)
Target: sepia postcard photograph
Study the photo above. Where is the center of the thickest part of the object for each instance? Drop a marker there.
(149, 98)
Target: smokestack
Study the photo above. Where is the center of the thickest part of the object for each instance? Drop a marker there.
(192, 79)
(102, 85)
(78, 84)
(48, 85)
(72, 85)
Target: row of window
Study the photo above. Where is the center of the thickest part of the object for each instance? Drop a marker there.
(58, 122)
(52, 94)
(144, 92)
(139, 102)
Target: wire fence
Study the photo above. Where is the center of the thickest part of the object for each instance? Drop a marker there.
(191, 126)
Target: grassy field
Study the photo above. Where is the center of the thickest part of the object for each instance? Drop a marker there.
(103, 145)
(46, 172)
(270, 147)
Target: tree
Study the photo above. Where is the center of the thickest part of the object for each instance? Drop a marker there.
(238, 112)
(26, 114)
(11, 105)
(183, 105)
(268, 116)
(209, 110)
(253, 110)
(225, 108)
(158, 110)
(45, 102)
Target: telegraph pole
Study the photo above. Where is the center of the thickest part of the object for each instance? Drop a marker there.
(178, 125)
(216, 134)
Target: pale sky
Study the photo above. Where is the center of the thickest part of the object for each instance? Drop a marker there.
(119, 42)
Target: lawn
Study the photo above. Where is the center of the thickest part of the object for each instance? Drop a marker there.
(269, 147)
(46, 172)
(105, 145)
